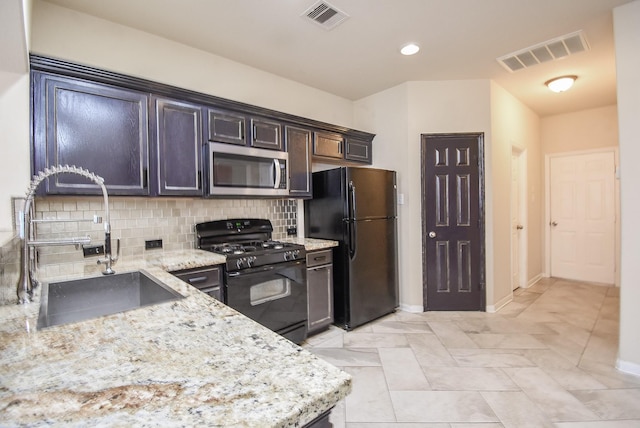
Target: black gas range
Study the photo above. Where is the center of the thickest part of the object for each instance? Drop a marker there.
(264, 279)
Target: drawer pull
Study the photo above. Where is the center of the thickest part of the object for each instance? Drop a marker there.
(317, 259)
(197, 279)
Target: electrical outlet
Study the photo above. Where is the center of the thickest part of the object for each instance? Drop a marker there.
(292, 231)
(152, 244)
(92, 250)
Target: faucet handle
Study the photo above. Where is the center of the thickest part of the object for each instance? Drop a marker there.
(115, 259)
(109, 260)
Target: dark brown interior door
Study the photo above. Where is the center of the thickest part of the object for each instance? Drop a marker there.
(453, 222)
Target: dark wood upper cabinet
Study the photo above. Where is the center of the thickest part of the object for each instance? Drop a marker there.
(177, 147)
(358, 150)
(328, 145)
(299, 148)
(266, 134)
(148, 139)
(98, 127)
(335, 148)
(226, 127)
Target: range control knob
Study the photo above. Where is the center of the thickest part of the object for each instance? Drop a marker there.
(240, 263)
(251, 260)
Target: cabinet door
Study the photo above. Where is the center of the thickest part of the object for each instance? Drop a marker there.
(178, 147)
(225, 127)
(265, 134)
(299, 149)
(97, 127)
(320, 297)
(358, 150)
(328, 145)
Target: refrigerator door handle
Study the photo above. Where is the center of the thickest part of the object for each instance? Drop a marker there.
(351, 221)
(352, 200)
(352, 239)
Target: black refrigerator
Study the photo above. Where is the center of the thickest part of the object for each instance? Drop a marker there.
(357, 207)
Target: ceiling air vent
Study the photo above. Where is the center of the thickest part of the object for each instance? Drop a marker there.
(550, 50)
(325, 15)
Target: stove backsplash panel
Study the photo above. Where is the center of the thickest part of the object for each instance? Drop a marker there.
(135, 220)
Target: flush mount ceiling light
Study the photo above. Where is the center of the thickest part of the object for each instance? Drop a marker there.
(561, 84)
(410, 49)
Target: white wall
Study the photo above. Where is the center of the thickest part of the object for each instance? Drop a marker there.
(627, 39)
(14, 105)
(63, 33)
(583, 130)
(386, 114)
(399, 116)
(514, 125)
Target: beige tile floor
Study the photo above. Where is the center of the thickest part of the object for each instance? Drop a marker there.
(544, 360)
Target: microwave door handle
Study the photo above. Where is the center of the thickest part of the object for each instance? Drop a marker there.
(276, 173)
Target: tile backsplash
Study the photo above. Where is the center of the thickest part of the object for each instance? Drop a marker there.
(9, 270)
(135, 220)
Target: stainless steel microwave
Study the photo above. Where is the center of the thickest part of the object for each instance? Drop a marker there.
(247, 171)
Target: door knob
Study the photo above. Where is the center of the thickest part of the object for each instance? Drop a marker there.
(554, 223)
(519, 227)
(432, 234)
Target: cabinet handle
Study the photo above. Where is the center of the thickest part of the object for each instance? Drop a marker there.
(199, 180)
(316, 259)
(145, 178)
(197, 279)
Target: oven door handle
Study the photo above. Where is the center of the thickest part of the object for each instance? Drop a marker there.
(265, 269)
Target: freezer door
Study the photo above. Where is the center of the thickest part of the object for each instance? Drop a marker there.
(371, 193)
(373, 276)
(325, 213)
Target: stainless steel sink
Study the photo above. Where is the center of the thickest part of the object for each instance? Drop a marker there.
(82, 299)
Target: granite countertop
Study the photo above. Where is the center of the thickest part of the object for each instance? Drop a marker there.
(312, 244)
(189, 362)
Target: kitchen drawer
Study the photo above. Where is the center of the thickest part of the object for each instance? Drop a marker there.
(318, 258)
(206, 279)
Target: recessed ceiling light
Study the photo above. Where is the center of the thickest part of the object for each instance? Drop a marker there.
(561, 84)
(410, 49)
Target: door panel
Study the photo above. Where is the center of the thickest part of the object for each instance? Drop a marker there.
(582, 217)
(374, 193)
(178, 146)
(97, 127)
(452, 222)
(372, 270)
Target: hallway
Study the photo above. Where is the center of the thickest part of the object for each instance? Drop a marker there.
(544, 360)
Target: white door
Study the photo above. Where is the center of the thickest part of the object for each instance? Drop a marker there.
(582, 217)
(518, 236)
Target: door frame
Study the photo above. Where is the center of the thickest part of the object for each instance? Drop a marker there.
(481, 212)
(521, 155)
(547, 209)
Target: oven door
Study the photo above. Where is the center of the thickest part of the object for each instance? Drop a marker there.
(274, 296)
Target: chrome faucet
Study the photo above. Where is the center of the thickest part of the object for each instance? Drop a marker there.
(27, 274)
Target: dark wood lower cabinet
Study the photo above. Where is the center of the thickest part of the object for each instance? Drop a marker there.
(319, 290)
(321, 421)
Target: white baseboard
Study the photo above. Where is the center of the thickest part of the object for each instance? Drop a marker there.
(411, 308)
(535, 279)
(500, 304)
(628, 367)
